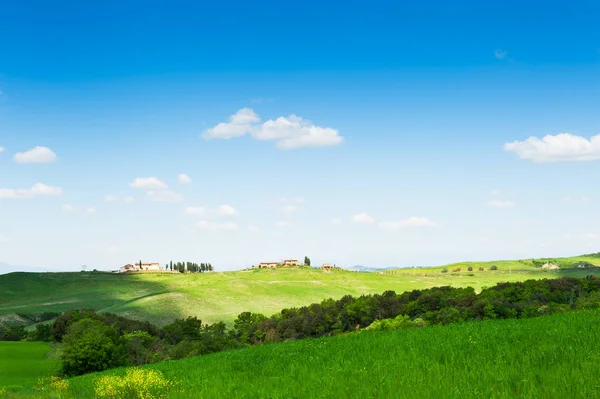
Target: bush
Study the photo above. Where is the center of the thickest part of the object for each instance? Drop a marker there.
(14, 333)
(470, 268)
(91, 346)
(136, 384)
(457, 270)
(401, 322)
(481, 269)
(42, 332)
(494, 267)
(444, 270)
(52, 387)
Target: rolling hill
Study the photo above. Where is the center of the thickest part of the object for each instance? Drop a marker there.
(160, 298)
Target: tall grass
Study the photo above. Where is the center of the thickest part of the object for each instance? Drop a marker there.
(548, 357)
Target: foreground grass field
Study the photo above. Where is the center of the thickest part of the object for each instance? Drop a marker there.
(212, 297)
(22, 363)
(547, 357)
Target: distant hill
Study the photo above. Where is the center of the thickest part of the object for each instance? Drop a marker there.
(6, 268)
(367, 269)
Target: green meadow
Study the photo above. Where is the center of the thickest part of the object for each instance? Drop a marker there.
(22, 363)
(212, 297)
(546, 357)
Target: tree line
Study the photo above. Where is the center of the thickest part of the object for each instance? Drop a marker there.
(94, 342)
(189, 267)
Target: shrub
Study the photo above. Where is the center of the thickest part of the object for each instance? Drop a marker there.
(53, 387)
(91, 346)
(470, 268)
(42, 332)
(481, 269)
(494, 267)
(457, 270)
(401, 322)
(136, 384)
(444, 270)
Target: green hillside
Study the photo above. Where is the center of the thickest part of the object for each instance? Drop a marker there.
(546, 357)
(212, 297)
(22, 363)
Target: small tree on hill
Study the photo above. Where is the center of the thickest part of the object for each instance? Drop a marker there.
(470, 268)
(494, 267)
(306, 261)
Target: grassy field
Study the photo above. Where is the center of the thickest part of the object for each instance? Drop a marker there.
(160, 298)
(22, 363)
(547, 357)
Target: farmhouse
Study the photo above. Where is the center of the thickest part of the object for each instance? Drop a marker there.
(267, 265)
(141, 267)
(327, 266)
(291, 262)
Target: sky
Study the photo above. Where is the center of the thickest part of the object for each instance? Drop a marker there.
(380, 134)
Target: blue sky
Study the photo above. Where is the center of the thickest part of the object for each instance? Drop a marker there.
(387, 134)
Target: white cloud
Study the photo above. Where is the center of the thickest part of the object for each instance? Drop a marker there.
(184, 179)
(196, 211)
(407, 223)
(253, 228)
(289, 209)
(227, 210)
(239, 124)
(494, 193)
(336, 221)
(592, 236)
(483, 240)
(68, 208)
(36, 155)
(295, 132)
(227, 226)
(3, 239)
(362, 218)
(38, 189)
(500, 54)
(563, 147)
(115, 198)
(283, 224)
(501, 204)
(90, 210)
(288, 133)
(1, 149)
(164, 196)
(148, 183)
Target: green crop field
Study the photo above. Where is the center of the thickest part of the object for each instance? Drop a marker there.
(546, 357)
(160, 298)
(22, 363)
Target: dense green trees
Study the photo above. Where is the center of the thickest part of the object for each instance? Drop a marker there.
(189, 267)
(90, 346)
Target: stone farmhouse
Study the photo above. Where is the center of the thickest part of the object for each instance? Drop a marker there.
(291, 262)
(273, 265)
(141, 267)
(327, 266)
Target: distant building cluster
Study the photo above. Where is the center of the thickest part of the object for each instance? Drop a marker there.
(289, 263)
(142, 267)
